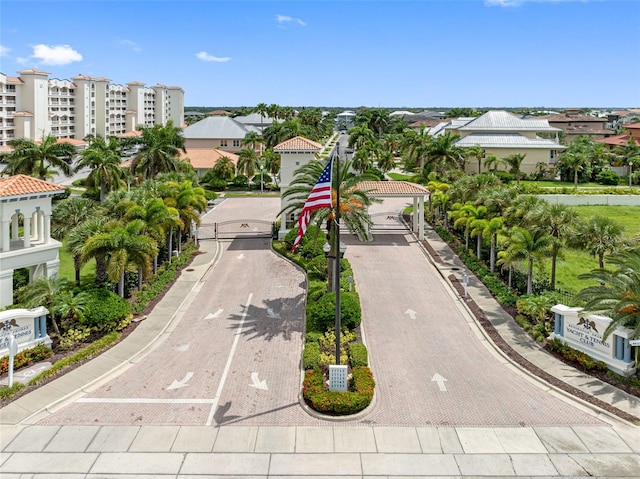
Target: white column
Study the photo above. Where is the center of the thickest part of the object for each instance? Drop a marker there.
(421, 219)
(26, 231)
(46, 219)
(35, 234)
(6, 288)
(40, 216)
(416, 213)
(53, 268)
(5, 240)
(14, 227)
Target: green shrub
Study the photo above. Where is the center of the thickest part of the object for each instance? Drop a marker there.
(311, 355)
(216, 184)
(504, 176)
(313, 336)
(322, 313)
(105, 309)
(7, 392)
(315, 290)
(607, 177)
(585, 361)
(210, 195)
(74, 336)
(358, 355)
(358, 397)
(317, 268)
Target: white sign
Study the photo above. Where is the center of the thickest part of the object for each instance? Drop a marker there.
(338, 378)
(634, 342)
(27, 326)
(588, 331)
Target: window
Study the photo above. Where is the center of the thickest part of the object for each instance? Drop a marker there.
(236, 143)
(223, 142)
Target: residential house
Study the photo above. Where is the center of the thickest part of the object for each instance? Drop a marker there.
(255, 122)
(633, 133)
(216, 132)
(573, 124)
(204, 159)
(502, 134)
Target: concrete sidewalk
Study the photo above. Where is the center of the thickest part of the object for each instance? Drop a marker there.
(70, 452)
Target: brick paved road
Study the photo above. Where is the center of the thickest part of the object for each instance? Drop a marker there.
(236, 353)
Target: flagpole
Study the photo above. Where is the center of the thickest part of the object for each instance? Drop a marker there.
(336, 267)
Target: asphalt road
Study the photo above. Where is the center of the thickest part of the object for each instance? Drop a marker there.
(234, 358)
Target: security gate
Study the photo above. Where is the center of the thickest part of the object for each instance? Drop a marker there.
(242, 228)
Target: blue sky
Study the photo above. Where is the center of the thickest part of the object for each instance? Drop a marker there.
(421, 53)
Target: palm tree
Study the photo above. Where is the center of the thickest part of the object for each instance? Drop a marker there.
(476, 224)
(261, 109)
(42, 292)
(253, 139)
(416, 145)
(528, 246)
(600, 235)
(224, 168)
(103, 159)
(515, 161)
(493, 228)
(122, 245)
(189, 201)
(273, 111)
(159, 153)
(272, 163)
(476, 152)
(444, 154)
(354, 202)
(558, 220)
(492, 162)
(440, 201)
(70, 307)
(618, 293)
(575, 160)
(76, 240)
(39, 159)
(248, 163)
(386, 161)
(359, 135)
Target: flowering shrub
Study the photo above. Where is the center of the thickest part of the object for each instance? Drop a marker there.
(585, 361)
(322, 400)
(26, 357)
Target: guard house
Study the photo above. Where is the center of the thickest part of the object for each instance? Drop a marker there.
(585, 333)
(25, 231)
(294, 153)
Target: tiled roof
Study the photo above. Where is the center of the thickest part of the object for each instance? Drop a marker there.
(619, 140)
(72, 141)
(298, 143)
(499, 120)
(507, 140)
(130, 134)
(33, 70)
(633, 126)
(203, 158)
(216, 127)
(19, 185)
(392, 188)
(425, 123)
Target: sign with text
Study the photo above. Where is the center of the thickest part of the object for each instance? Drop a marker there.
(27, 326)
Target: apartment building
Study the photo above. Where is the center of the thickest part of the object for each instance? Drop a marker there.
(33, 105)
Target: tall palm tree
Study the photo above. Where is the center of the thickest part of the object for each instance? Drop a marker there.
(492, 162)
(359, 135)
(39, 159)
(272, 163)
(248, 163)
(103, 159)
(477, 152)
(515, 161)
(476, 224)
(122, 245)
(530, 247)
(575, 160)
(443, 153)
(416, 145)
(618, 293)
(254, 140)
(76, 240)
(261, 109)
(42, 292)
(386, 161)
(492, 229)
(600, 235)
(224, 168)
(354, 202)
(189, 201)
(159, 153)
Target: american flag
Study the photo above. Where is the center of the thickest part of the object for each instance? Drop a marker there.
(320, 197)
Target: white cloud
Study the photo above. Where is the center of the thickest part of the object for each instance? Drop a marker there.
(3, 51)
(288, 19)
(205, 57)
(131, 44)
(56, 55)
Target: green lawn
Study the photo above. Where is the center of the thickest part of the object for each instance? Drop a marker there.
(577, 262)
(400, 176)
(560, 184)
(87, 273)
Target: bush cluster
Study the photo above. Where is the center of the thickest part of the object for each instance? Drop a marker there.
(105, 310)
(25, 358)
(585, 361)
(321, 314)
(358, 355)
(356, 399)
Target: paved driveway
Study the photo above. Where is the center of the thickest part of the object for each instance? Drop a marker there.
(234, 357)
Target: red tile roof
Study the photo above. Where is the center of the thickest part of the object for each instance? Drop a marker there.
(392, 188)
(619, 140)
(633, 126)
(298, 143)
(19, 185)
(203, 158)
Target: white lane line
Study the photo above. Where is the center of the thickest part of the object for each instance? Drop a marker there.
(214, 406)
(144, 401)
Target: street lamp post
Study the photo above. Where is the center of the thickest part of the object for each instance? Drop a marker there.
(630, 172)
(261, 180)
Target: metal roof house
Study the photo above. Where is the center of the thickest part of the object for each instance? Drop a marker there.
(216, 132)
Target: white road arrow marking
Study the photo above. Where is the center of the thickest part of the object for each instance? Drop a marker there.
(440, 380)
(395, 245)
(240, 256)
(214, 315)
(182, 348)
(272, 314)
(181, 384)
(256, 383)
(411, 313)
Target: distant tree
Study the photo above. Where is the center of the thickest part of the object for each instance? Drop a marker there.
(39, 159)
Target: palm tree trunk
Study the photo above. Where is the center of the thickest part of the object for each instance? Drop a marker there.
(492, 254)
(466, 241)
(170, 243)
(121, 285)
(509, 281)
(139, 278)
(76, 266)
(554, 258)
(479, 247)
(601, 260)
(101, 270)
(530, 278)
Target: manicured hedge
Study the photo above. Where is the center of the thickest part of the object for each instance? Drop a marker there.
(322, 313)
(358, 397)
(105, 309)
(311, 355)
(358, 355)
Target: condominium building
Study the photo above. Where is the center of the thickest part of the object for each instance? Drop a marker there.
(33, 105)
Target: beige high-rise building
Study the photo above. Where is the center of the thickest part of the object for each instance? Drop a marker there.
(32, 105)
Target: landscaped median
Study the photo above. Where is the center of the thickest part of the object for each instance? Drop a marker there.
(320, 339)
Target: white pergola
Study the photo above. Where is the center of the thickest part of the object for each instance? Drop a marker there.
(400, 189)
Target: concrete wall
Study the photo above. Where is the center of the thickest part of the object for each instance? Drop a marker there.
(585, 200)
